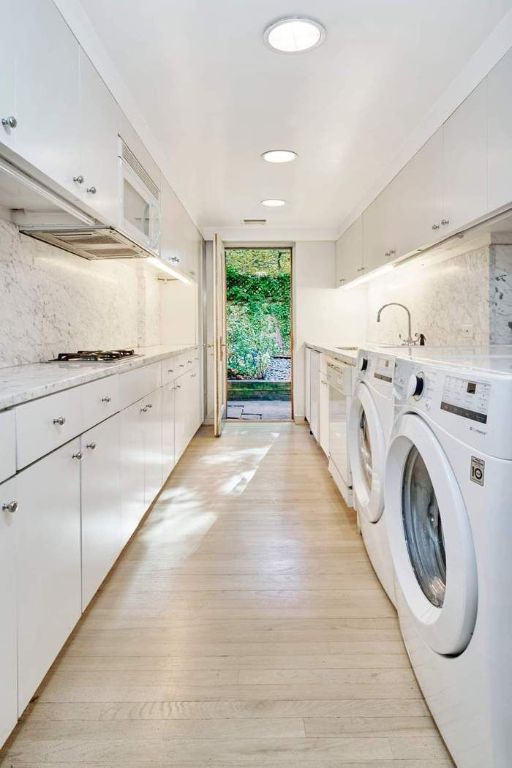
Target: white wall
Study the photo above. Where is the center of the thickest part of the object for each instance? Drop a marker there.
(322, 314)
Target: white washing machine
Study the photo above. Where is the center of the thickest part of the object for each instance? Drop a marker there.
(448, 496)
(369, 430)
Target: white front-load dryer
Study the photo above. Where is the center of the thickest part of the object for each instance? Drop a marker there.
(448, 496)
(369, 429)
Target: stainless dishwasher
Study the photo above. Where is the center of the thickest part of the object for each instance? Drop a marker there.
(340, 381)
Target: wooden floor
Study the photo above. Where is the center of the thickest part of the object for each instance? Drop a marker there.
(242, 627)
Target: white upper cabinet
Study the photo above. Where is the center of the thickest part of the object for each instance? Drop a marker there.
(47, 91)
(465, 162)
(8, 118)
(349, 253)
(378, 239)
(421, 189)
(98, 171)
(179, 243)
(499, 117)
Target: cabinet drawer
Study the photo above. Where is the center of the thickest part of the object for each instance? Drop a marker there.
(7, 445)
(42, 425)
(100, 399)
(171, 369)
(138, 383)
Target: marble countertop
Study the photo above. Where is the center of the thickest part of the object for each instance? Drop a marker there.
(347, 354)
(22, 383)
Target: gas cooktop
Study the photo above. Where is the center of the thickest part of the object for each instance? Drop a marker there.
(93, 356)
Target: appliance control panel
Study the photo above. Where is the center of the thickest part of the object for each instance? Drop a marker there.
(467, 398)
(383, 369)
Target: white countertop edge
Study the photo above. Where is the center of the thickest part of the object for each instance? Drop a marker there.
(22, 383)
(348, 356)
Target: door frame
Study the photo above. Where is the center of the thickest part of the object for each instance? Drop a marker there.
(247, 245)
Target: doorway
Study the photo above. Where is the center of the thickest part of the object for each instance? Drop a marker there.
(259, 333)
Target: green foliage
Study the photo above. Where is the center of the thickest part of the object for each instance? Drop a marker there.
(258, 284)
(252, 341)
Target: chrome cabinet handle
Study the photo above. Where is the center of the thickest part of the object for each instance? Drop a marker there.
(361, 269)
(170, 370)
(78, 179)
(178, 386)
(91, 446)
(189, 362)
(78, 456)
(9, 122)
(435, 226)
(444, 222)
(174, 259)
(182, 365)
(341, 280)
(60, 420)
(149, 405)
(91, 190)
(143, 410)
(106, 399)
(392, 252)
(10, 506)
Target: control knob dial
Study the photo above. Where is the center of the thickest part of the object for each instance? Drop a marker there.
(416, 385)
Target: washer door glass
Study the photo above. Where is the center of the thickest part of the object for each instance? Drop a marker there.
(423, 529)
(365, 449)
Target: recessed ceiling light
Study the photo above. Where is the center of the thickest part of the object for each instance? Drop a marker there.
(274, 203)
(294, 34)
(279, 155)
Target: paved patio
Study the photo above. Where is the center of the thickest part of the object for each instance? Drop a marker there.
(259, 410)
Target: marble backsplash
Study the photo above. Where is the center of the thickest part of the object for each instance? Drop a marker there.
(464, 299)
(52, 301)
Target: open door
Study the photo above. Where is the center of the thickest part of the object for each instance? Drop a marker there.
(219, 322)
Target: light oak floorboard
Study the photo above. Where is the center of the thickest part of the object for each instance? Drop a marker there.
(243, 627)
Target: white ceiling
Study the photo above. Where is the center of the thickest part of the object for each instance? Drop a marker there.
(215, 96)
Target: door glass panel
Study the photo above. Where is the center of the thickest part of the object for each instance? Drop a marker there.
(423, 529)
(136, 209)
(365, 448)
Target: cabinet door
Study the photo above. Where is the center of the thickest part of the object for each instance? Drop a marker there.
(420, 197)
(499, 117)
(48, 563)
(465, 162)
(99, 162)
(375, 223)
(315, 394)
(349, 253)
(180, 416)
(152, 420)
(132, 469)
(7, 72)
(101, 504)
(324, 415)
(307, 385)
(47, 92)
(167, 430)
(8, 639)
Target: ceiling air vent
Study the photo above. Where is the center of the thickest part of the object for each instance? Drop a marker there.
(255, 221)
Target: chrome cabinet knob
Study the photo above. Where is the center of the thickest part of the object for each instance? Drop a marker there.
(106, 399)
(341, 280)
(174, 259)
(9, 122)
(392, 252)
(149, 405)
(189, 362)
(60, 420)
(78, 456)
(445, 222)
(178, 386)
(91, 190)
(91, 446)
(361, 269)
(182, 365)
(435, 226)
(78, 179)
(10, 506)
(170, 370)
(143, 410)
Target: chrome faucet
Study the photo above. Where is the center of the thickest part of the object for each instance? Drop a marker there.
(419, 338)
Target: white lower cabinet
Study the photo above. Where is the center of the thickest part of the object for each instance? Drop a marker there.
(101, 503)
(168, 422)
(8, 631)
(48, 572)
(132, 469)
(151, 413)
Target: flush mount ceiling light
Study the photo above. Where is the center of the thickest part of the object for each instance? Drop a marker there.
(294, 34)
(279, 155)
(273, 203)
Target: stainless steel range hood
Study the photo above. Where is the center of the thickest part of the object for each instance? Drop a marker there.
(41, 213)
